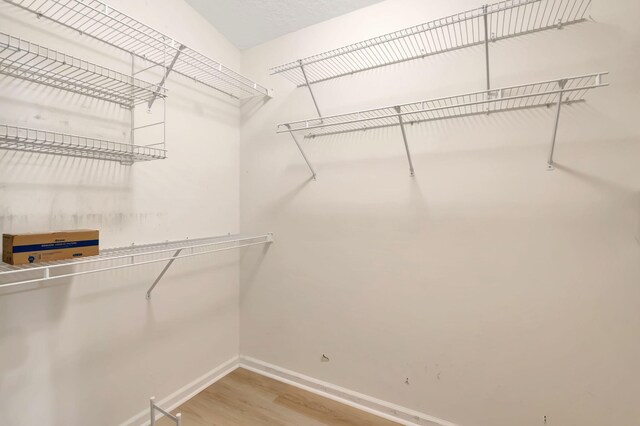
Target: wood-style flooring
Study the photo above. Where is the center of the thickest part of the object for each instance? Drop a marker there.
(244, 398)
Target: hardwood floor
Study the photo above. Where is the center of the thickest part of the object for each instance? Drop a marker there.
(244, 398)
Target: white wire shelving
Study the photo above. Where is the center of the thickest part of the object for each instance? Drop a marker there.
(29, 61)
(479, 26)
(46, 142)
(533, 95)
(96, 19)
(126, 257)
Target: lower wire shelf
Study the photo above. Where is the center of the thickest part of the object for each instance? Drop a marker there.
(532, 95)
(46, 142)
(126, 257)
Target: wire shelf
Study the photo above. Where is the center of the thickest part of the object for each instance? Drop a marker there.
(541, 94)
(506, 19)
(124, 257)
(29, 61)
(100, 21)
(45, 142)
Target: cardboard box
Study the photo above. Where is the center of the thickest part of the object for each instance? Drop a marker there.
(20, 249)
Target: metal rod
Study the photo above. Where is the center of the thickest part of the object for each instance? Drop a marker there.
(166, 268)
(133, 109)
(313, 172)
(304, 74)
(148, 125)
(165, 76)
(152, 410)
(486, 44)
(406, 144)
(146, 69)
(561, 83)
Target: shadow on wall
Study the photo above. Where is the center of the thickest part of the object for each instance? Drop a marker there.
(28, 170)
(23, 316)
(250, 106)
(251, 261)
(93, 342)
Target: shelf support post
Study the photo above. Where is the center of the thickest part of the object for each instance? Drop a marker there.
(165, 76)
(313, 172)
(404, 138)
(304, 74)
(166, 268)
(561, 83)
(153, 411)
(133, 108)
(485, 9)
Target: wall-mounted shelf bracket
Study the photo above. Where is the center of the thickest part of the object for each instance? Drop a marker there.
(166, 75)
(561, 84)
(404, 138)
(177, 419)
(313, 172)
(306, 81)
(166, 268)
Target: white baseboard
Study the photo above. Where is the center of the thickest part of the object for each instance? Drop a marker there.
(348, 397)
(354, 399)
(187, 392)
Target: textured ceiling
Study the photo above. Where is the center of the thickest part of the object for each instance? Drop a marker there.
(247, 23)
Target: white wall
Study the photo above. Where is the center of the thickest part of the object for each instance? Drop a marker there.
(92, 350)
(504, 292)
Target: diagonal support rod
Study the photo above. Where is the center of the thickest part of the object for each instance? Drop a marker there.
(164, 78)
(562, 84)
(304, 74)
(166, 268)
(404, 138)
(313, 172)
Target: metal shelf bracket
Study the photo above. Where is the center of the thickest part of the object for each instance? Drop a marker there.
(306, 80)
(313, 172)
(404, 138)
(561, 84)
(164, 271)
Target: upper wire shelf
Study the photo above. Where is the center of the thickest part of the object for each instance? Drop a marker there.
(532, 95)
(506, 19)
(45, 142)
(100, 21)
(29, 61)
(125, 257)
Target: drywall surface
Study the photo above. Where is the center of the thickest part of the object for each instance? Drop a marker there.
(503, 292)
(92, 350)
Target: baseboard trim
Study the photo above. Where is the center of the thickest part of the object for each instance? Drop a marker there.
(354, 399)
(185, 393)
